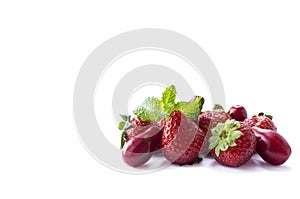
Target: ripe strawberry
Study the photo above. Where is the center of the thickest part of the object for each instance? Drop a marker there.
(232, 143)
(137, 121)
(207, 121)
(262, 121)
(210, 119)
(182, 139)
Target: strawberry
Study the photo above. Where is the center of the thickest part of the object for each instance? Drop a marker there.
(232, 143)
(210, 119)
(182, 139)
(207, 121)
(137, 121)
(262, 121)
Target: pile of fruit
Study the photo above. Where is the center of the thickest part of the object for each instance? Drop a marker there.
(185, 134)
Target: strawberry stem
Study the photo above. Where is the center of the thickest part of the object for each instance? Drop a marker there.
(224, 136)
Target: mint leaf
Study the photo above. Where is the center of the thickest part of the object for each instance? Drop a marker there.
(123, 139)
(169, 95)
(154, 109)
(121, 125)
(150, 109)
(218, 106)
(125, 124)
(190, 109)
(168, 99)
(125, 117)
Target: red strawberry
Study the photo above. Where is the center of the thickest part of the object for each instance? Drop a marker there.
(207, 121)
(262, 121)
(210, 119)
(182, 139)
(137, 121)
(232, 143)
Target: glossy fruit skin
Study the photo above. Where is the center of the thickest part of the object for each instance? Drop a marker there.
(238, 113)
(152, 136)
(207, 121)
(136, 152)
(241, 153)
(210, 119)
(182, 139)
(271, 146)
(134, 131)
(261, 122)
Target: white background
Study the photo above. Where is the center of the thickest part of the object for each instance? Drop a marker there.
(254, 44)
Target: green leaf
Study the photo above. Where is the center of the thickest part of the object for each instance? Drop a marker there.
(218, 106)
(154, 109)
(217, 151)
(224, 136)
(190, 109)
(270, 117)
(223, 145)
(150, 109)
(125, 117)
(125, 124)
(122, 125)
(168, 99)
(236, 134)
(263, 114)
(169, 95)
(213, 142)
(123, 139)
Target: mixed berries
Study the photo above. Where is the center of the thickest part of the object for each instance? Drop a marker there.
(184, 134)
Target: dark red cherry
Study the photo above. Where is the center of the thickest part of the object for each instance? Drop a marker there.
(271, 146)
(136, 152)
(153, 135)
(238, 112)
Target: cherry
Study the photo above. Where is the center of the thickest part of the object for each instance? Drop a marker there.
(152, 135)
(238, 112)
(271, 146)
(135, 130)
(136, 152)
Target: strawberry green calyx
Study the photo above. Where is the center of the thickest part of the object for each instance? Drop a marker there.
(263, 114)
(224, 136)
